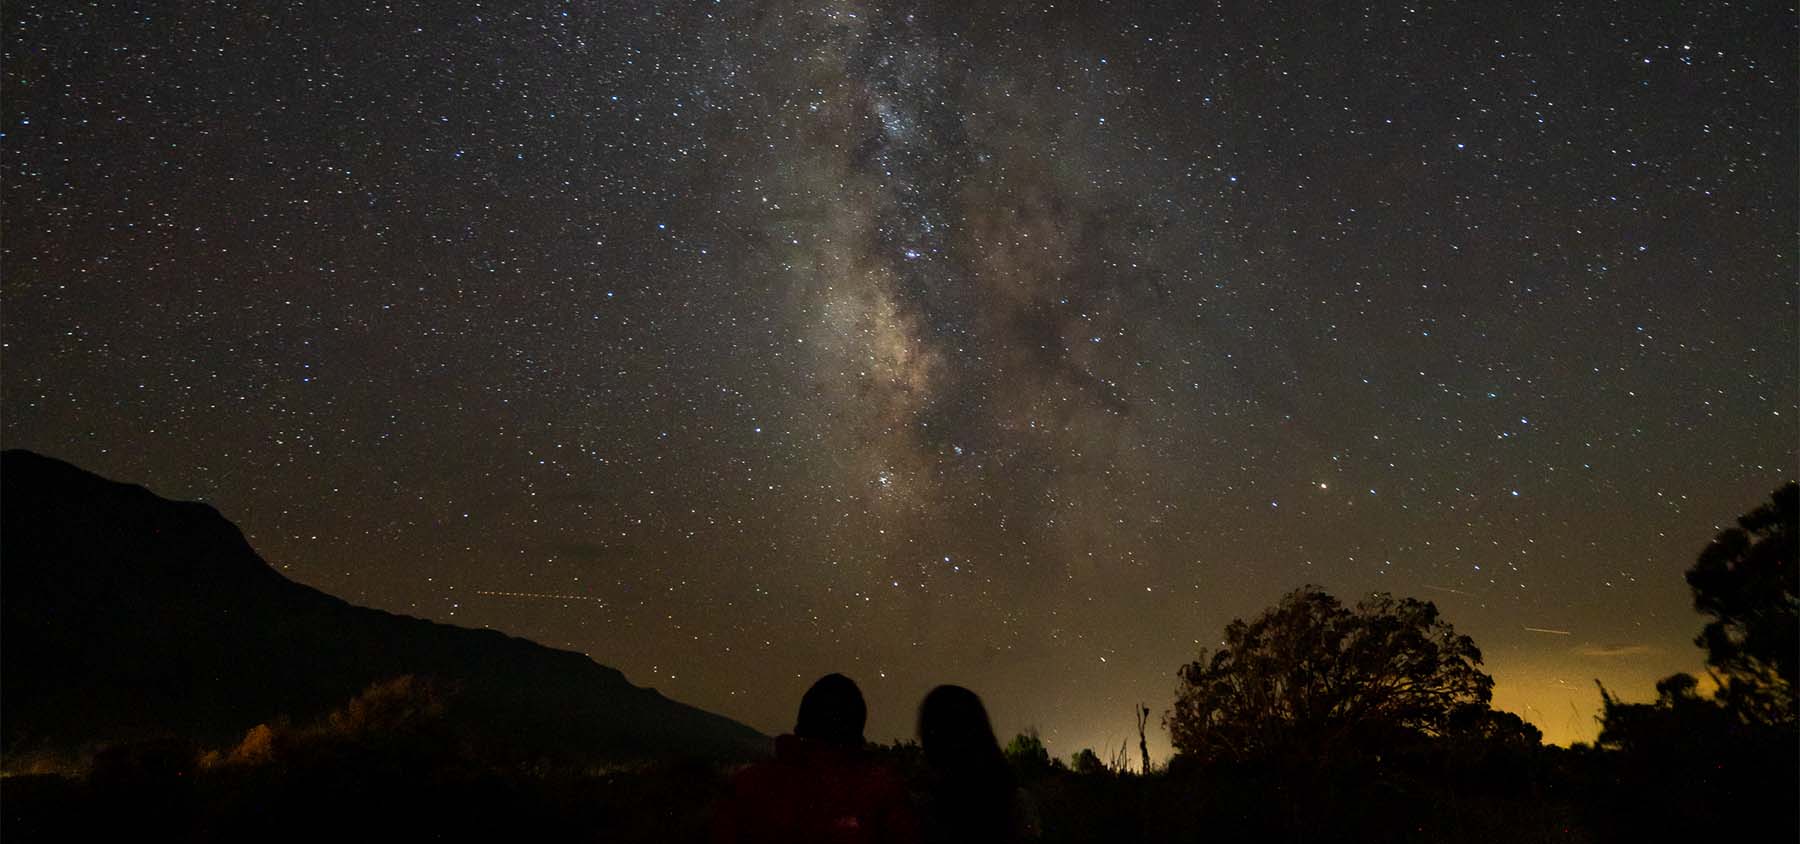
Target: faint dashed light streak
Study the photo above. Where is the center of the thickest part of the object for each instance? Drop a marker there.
(547, 596)
(1447, 589)
(1548, 630)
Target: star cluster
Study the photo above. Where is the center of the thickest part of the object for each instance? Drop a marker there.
(1022, 346)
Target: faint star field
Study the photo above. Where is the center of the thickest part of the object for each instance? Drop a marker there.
(1019, 347)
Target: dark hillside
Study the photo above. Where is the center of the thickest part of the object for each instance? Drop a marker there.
(126, 616)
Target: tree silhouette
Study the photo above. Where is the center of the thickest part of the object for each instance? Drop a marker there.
(1748, 580)
(1680, 717)
(1143, 716)
(1310, 674)
(1721, 767)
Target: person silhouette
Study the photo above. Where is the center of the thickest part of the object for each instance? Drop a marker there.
(971, 794)
(823, 784)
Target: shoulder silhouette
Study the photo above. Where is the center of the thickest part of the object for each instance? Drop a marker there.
(823, 785)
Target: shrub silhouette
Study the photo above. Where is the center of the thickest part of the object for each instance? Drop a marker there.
(1087, 762)
(1028, 755)
(400, 720)
(257, 748)
(402, 704)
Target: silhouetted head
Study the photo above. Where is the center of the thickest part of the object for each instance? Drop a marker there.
(954, 729)
(833, 712)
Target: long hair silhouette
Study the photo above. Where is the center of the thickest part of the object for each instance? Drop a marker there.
(973, 794)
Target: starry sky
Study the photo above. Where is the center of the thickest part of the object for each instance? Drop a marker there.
(1016, 345)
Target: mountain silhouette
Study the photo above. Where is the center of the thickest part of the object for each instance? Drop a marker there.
(126, 616)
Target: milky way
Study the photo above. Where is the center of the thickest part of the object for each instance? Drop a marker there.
(1019, 346)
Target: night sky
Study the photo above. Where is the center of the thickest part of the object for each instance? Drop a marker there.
(1021, 346)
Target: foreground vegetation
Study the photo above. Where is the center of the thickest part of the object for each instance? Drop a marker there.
(407, 785)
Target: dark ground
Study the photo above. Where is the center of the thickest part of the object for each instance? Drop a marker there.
(416, 787)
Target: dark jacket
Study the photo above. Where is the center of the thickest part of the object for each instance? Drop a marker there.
(816, 792)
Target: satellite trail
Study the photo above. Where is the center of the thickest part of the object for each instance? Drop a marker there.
(546, 596)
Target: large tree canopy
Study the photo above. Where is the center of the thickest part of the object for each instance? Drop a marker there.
(1310, 673)
(1747, 580)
